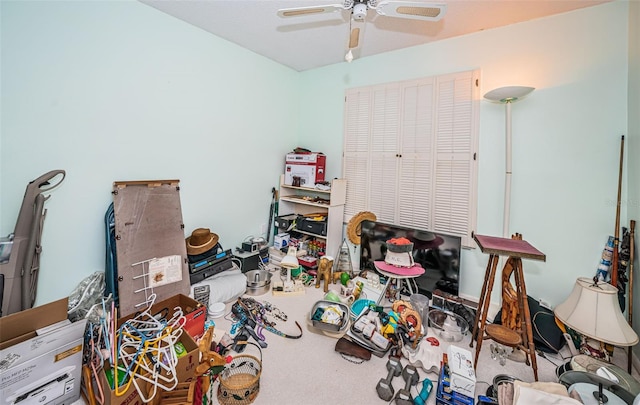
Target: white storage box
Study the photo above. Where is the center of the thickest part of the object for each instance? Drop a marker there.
(281, 240)
(41, 355)
(462, 375)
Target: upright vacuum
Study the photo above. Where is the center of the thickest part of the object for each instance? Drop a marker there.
(19, 275)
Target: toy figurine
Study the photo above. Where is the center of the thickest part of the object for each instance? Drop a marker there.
(399, 306)
(392, 323)
(412, 320)
(358, 289)
(325, 267)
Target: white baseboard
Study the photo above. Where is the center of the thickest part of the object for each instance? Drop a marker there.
(493, 307)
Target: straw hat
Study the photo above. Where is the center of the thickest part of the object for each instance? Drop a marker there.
(354, 227)
(201, 240)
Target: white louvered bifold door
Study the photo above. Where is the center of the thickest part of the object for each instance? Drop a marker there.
(385, 130)
(409, 152)
(416, 162)
(456, 142)
(355, 162)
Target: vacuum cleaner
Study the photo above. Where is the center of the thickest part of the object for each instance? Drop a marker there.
(19, 275)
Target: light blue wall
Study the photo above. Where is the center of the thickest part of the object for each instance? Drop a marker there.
(116, 90)
(120, 91)
(566, 134)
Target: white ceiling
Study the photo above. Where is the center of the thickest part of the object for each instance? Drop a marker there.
(311, 41)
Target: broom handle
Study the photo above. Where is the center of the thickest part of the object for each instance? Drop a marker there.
(614, 261)
(632, 250)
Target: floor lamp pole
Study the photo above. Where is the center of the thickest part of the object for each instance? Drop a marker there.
(507, 96)
(507, 177)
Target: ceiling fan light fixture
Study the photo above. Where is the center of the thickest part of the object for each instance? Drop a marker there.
(416, 10)
(359, 11)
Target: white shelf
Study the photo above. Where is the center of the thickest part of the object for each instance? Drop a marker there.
(311, 234)
(291, 201)
(304, 202)
(305, 189)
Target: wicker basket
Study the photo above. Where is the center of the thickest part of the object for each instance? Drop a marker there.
(240, 380)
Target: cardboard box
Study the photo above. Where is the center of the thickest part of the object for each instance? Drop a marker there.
(185, 370)
(446, 396)
(195, 313)
(194, 326)
(129, 397)
(309, 167)
(41, 356)
(308, 261)
(462, 374)
(187, 363)
(281, 240)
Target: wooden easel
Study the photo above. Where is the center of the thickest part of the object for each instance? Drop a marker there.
(510, 311)
(521, 337)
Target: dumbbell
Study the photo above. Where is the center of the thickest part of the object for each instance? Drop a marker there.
(410, 375)
(384, 387)
(421, 399)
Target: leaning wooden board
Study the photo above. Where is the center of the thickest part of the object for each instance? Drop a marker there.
(150, 244)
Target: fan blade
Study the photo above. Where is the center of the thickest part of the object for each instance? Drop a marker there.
(354, 38)
(412, 10)
(297, 11)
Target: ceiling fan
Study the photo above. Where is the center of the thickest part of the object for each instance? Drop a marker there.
(390, 8)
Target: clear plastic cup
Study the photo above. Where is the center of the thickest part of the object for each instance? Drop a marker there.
(420, 303)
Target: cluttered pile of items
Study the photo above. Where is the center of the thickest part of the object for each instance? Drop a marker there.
(145, 329)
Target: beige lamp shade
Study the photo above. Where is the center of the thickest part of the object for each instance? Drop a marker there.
(290, 261)
(593, 310)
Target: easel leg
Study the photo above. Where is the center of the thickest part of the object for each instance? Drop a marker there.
(485, 299)
(523, 303)
(474, 330)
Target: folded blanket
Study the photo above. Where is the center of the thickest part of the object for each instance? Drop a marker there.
(224, 287)
(548, 393)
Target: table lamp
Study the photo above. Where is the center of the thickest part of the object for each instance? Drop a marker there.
(289, 262)
(593, 310)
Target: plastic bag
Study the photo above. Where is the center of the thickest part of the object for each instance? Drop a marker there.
(88, 293)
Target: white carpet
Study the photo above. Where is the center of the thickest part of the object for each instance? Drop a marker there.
(309, 371)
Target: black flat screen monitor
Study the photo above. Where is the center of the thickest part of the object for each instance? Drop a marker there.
(437, 253)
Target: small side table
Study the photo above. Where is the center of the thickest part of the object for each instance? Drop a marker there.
(522, 339)
(397, 274)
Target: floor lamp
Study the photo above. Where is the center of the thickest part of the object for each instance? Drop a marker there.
(507, 96)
